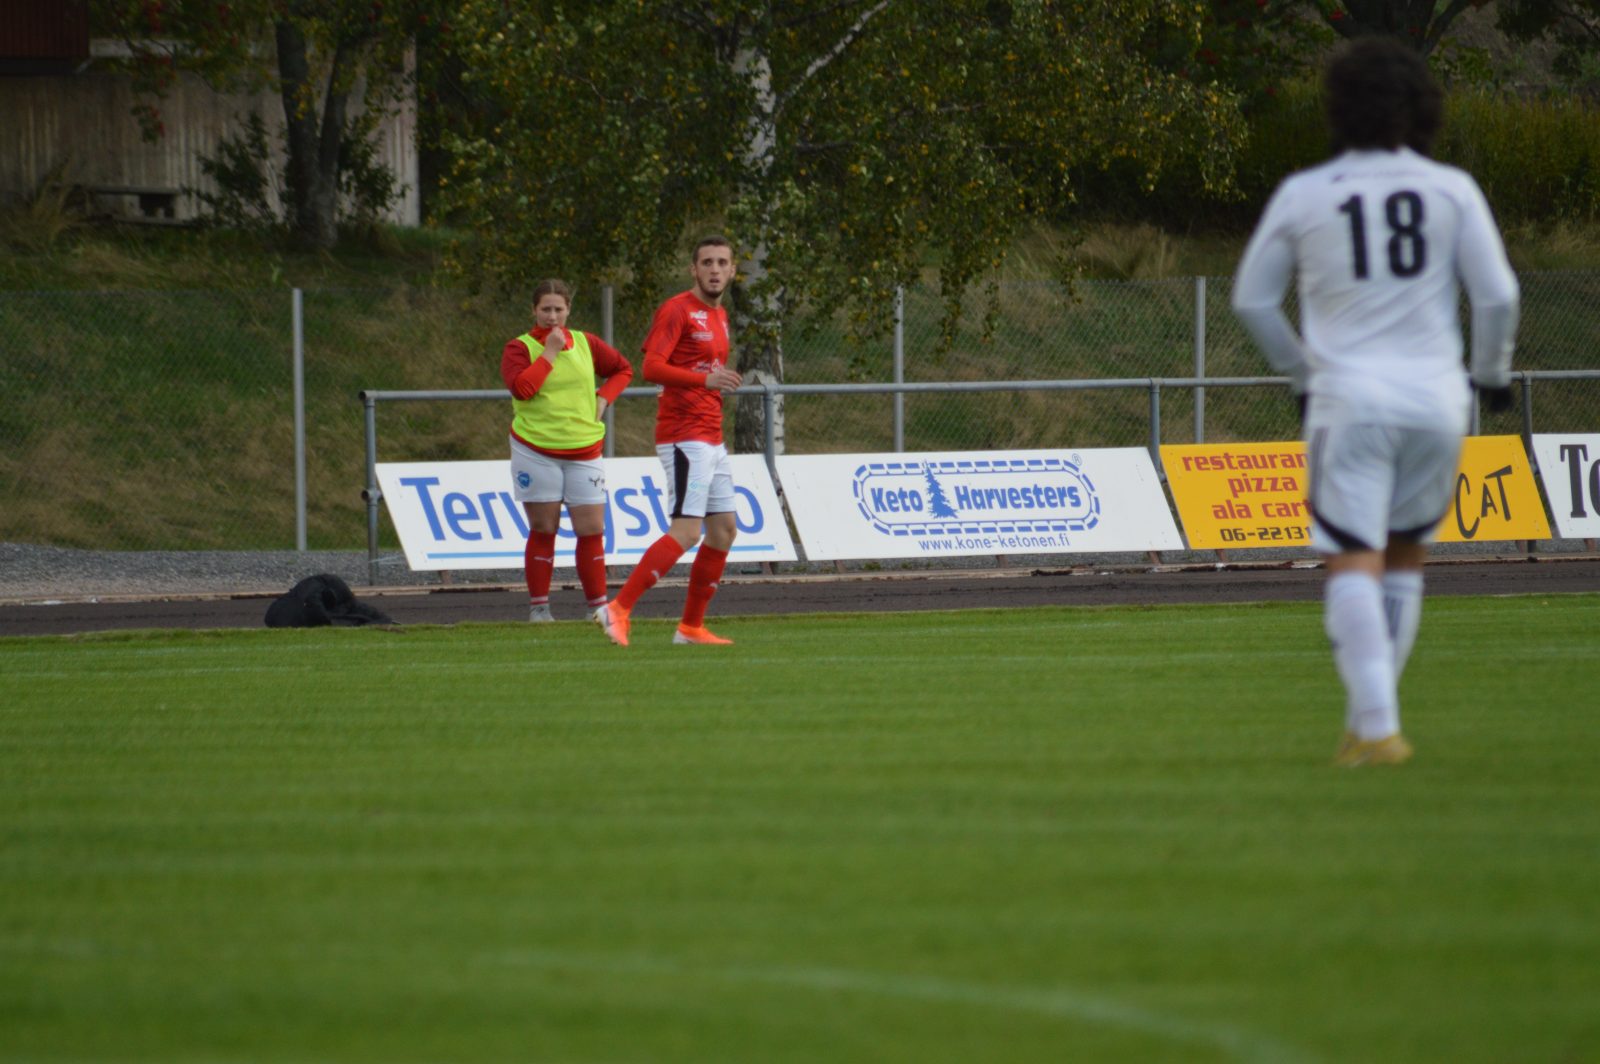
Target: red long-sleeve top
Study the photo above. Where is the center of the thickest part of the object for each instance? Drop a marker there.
(687, 340)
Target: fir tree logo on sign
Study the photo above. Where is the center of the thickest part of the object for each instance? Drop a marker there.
(938, 504)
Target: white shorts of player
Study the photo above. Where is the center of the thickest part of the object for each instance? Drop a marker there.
(699, 477)
(537, 477)
(1368, 481)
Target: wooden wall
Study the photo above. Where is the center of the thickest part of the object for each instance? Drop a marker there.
(84, 121)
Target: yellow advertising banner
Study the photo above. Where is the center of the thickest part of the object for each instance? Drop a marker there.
(1496, 497)
(1235, 495)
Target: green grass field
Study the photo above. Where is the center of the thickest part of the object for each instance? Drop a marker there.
(1029, 835)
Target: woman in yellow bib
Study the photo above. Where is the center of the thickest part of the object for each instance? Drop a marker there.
(557, 439)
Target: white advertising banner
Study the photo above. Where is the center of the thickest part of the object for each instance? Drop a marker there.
(980, 502)
(462, 515)
(1569, 466)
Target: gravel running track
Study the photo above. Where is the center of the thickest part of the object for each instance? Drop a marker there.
(747, 594)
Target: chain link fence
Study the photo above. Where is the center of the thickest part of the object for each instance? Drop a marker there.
(165, 420)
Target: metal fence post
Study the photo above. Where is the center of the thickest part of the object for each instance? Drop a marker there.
(899, 367)
(297, 314)
(1527, 412)
(1155, 421)
(770, 430)
(1531, 545)
(1200, 359)
(372, 494)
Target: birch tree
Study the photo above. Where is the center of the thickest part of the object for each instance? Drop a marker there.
(844, 145)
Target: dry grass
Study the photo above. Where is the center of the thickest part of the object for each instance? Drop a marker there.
(1127, 253)
(1559, 245)
(40, 222)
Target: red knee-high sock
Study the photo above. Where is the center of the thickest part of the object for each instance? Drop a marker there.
(703, 577)
(591, 555)
(537, 560)
(662, 555)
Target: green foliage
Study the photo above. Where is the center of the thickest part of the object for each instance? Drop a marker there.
(844, 148)
(1573, 26)
(1027, 835)
(367, 188)
(1537, 160)
(1250, 46)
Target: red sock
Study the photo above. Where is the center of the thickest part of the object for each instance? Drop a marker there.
(703, 577)
(538, 558)
(662, 555)
(591, 554)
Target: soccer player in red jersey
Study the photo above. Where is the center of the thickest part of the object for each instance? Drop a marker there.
(557, 439)
(686, 352)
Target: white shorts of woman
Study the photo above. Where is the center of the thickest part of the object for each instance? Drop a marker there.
(1371, 482)
(537, 477)
(699, 477)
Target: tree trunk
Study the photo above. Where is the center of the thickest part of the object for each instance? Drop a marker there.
(758, 306)
(758, 329)
(313, 164)
(761, 306)
(1416, 23)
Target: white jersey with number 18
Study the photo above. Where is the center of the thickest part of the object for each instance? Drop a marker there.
(1379, 242)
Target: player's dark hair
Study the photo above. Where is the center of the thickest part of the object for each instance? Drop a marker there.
(552, 287)
(714, 240)
(1379, 94)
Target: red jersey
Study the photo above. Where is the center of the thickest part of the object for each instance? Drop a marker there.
(687, 340)
(525, 372)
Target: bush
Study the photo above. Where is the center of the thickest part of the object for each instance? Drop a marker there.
(1537, 159)
(247, 196)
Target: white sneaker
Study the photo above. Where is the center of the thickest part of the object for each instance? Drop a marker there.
(598, 615)
(540, 614)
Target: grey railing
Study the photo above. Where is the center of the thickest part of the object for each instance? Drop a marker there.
(770, 393)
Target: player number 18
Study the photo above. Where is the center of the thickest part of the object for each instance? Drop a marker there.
(1408, 251)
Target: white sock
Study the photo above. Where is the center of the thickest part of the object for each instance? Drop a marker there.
(1354, 619)
(1402, 604)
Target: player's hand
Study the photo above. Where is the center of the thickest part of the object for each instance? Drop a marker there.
(555, 343)
(722, 378)
(1498, 400)
(600, 406)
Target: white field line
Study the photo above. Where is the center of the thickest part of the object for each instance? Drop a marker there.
(1054, 1003)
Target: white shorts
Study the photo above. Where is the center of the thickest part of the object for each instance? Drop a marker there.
(1373, 482)
(699, 478)
(537, 477)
